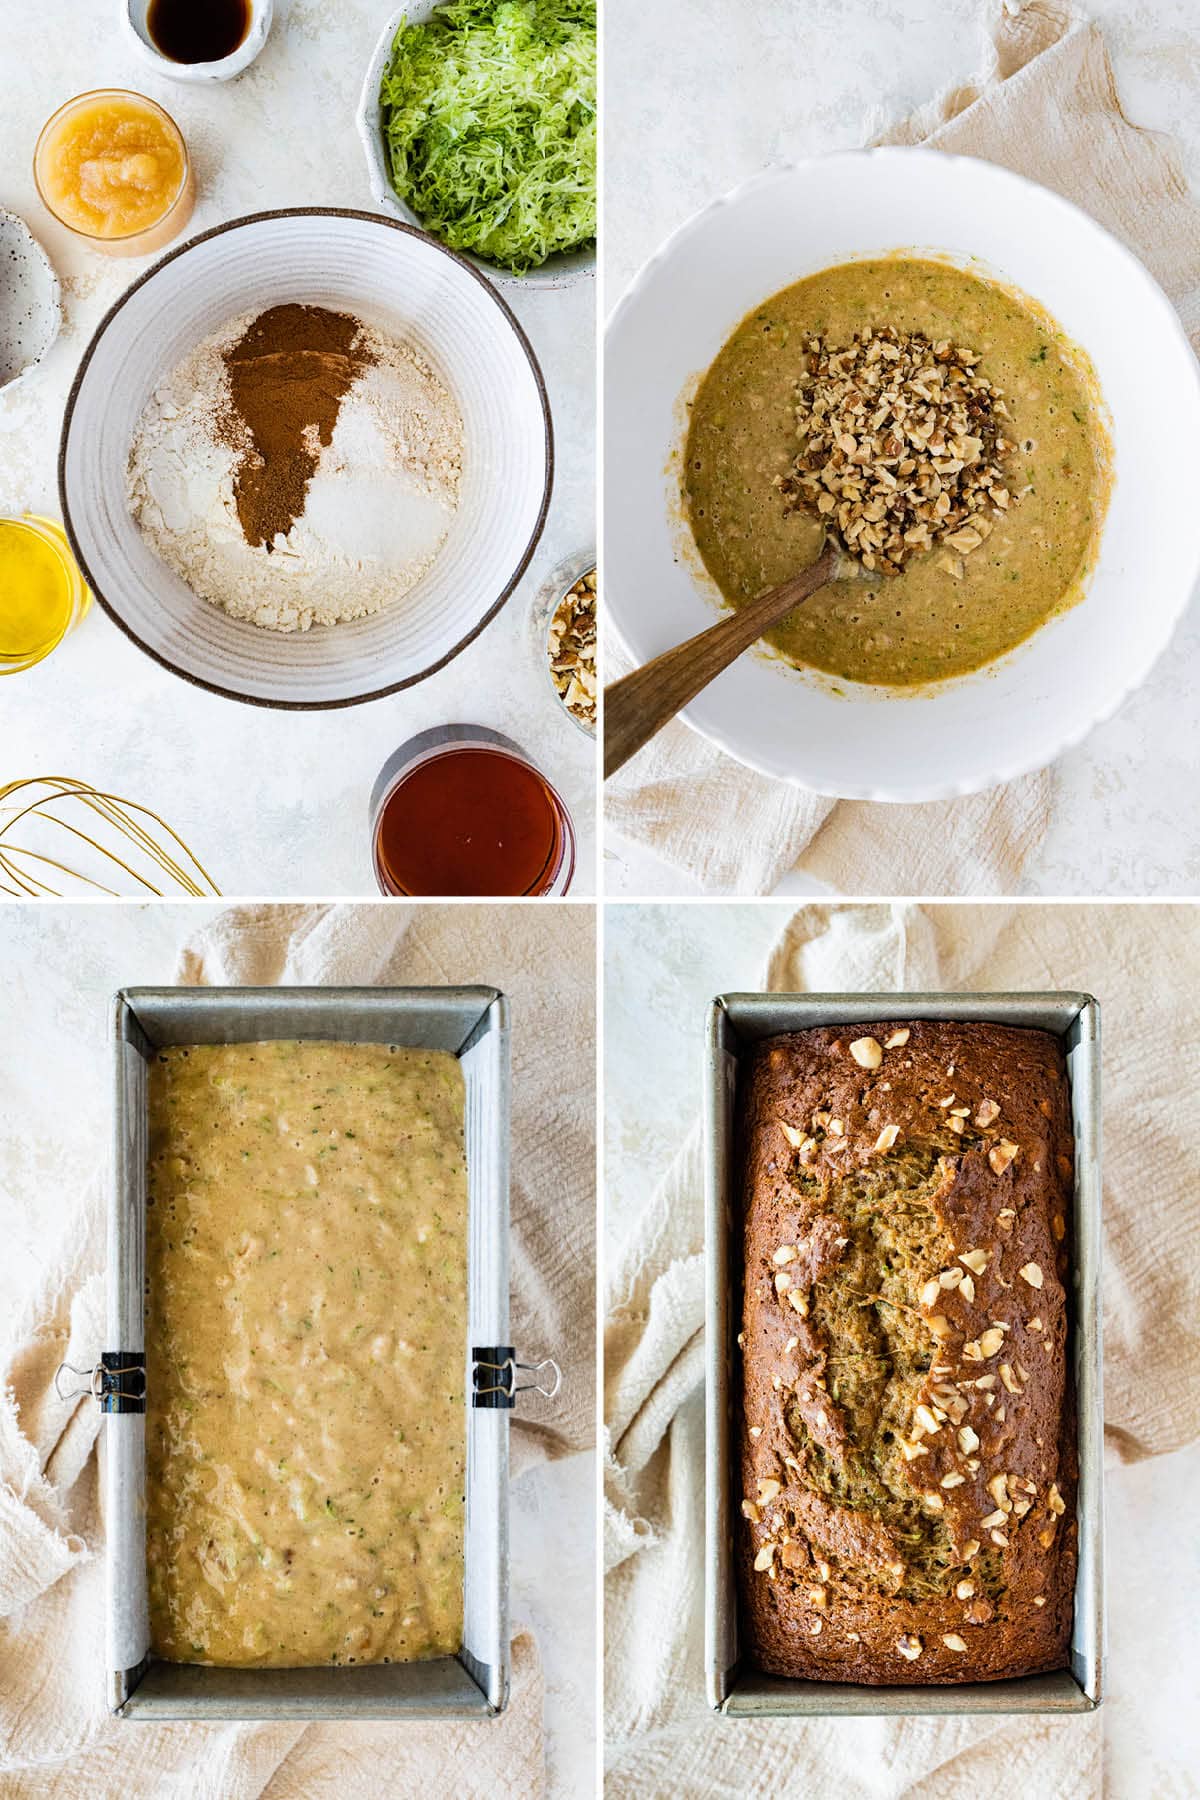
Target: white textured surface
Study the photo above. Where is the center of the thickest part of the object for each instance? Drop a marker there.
(750, 85)
(273, 804)
(662, 965)
(61, 965)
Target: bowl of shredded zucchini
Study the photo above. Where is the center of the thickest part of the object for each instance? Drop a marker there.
(478, 118)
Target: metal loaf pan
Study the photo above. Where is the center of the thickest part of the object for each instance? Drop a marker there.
(471, 1022)
(734, 1687)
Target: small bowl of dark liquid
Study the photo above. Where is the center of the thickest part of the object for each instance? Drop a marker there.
(199, 40)
(461, 810)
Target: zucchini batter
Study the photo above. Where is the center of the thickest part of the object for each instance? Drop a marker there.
(926, 623)
(306, 1323)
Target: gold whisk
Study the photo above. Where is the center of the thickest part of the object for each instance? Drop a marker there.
(49, 800)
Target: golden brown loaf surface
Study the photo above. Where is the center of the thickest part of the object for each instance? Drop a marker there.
(908, 1434)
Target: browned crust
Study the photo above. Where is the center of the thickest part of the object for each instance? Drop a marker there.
(816, 1617)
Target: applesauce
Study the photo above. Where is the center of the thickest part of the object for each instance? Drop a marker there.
(113, 167)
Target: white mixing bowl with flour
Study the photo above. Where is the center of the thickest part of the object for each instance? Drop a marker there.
(403, 284)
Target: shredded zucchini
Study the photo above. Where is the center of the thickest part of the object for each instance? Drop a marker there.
(489, 117)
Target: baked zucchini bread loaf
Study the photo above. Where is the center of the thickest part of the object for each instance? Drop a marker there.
(908, 1432)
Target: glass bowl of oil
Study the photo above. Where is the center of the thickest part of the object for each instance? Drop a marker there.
(42, 593)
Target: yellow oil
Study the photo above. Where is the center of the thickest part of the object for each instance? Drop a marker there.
(41, 595)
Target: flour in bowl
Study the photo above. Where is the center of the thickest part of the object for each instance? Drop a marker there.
(298, 468)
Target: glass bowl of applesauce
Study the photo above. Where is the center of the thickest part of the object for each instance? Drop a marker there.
(113, 168)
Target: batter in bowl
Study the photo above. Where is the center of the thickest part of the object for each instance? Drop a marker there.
(945, 612)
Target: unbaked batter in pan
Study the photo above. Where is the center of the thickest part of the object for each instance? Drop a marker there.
(306, 1254)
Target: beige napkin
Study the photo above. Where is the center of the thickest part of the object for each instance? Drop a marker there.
(1143, 963)
(1047, 107)
(56, 1740)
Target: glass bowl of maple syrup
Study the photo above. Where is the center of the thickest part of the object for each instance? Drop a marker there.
(461, 810)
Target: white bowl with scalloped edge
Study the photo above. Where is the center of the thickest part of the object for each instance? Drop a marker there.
(1019, 713)
(394, 278)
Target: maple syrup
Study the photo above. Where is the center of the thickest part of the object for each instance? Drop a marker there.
(198, 31)
(461, 810)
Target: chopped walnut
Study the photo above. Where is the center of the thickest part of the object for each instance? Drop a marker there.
(997, 1487)
(902, 443)
(1001, 1154)
(571, 647)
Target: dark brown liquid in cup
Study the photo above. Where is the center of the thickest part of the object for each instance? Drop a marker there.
(197, 31)
(470, 821)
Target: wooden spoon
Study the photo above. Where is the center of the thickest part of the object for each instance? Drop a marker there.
(639, 705)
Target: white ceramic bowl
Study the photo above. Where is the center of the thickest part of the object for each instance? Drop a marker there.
(399, 280)
(1023, 711)
(556, 272)
(30, 301)
(134, 14)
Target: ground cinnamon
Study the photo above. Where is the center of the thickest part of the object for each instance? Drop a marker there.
(287, 374)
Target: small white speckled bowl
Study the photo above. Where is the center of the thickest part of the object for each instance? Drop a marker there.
(30, 301)
(134, 14)
(556, 272)
(398, 280)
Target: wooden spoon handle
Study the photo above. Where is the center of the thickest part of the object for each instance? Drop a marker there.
(639, 705)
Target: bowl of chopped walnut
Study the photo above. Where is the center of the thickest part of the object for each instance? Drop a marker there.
(563, 627)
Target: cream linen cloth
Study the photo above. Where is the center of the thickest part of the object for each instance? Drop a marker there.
(1143, 963)
(56, 1740)
(1047, 107)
